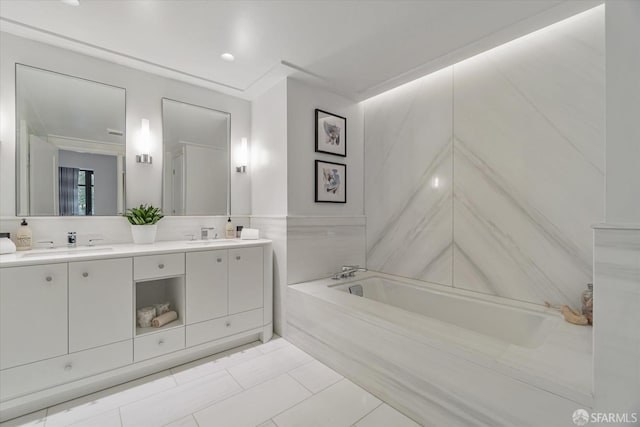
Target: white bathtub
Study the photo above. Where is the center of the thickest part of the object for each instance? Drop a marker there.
(446, 356)
(515, 325)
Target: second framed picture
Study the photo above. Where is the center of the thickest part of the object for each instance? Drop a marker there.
(331, 133)
(331, 182)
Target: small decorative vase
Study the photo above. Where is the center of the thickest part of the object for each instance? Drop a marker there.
(144, 234)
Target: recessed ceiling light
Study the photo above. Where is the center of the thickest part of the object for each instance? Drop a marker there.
(71, 2)
(227, 57)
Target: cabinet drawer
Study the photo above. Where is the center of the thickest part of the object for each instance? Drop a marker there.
(37, 376)
(157, 344)
(153, 266)
(218, 328)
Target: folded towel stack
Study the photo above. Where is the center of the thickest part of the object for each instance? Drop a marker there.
(163, 319)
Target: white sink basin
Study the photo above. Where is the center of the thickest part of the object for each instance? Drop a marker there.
(66, 251)
(210, 242)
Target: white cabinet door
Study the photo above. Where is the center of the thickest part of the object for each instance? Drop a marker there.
(206, 285)
(100, 303)
(245, 279)
(33, 313)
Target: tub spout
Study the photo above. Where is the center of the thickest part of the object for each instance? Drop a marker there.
(348, 271)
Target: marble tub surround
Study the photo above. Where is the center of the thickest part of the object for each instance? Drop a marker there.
(408, 190)
(115, 229)
(616, 293)
(515, 138)
(439, 374)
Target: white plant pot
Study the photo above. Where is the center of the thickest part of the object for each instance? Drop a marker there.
(144, 234)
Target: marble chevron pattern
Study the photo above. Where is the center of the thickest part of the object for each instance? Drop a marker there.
(529, 163)
(408, 176)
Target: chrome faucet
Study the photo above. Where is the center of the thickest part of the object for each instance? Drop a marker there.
(348, 271)
(71, 239)
(204, 232)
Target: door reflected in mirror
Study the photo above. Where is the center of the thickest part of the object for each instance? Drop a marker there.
(70, 151)
(196, 159)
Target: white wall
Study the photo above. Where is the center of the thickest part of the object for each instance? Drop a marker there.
(302, 100)
(144, 94)
(268, 166)
(623, 111)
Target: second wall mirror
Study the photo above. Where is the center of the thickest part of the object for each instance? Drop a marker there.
(196, 161)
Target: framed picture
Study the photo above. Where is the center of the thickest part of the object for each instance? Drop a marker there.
(331, 182)
(331, 134)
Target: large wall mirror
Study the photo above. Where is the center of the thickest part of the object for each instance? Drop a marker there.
(196, 159)
(70, 145)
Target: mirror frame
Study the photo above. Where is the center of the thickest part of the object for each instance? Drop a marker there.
(18, 150)
(228, 214)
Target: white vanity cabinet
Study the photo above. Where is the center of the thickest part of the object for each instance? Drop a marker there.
(100, 303)
(33, 313)
(68, 322)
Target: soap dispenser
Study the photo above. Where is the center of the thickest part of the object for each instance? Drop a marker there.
(229, 230)
(23, 236)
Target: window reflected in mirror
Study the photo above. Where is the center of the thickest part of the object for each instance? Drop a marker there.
(196, 159)
(70, 156)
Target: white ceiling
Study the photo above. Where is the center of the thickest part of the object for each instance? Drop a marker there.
(357, 48)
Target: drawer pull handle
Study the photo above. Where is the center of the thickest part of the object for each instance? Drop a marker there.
(85, 274)
(238, 257)
(160, 266)
(219, 259)
(161, 341)
(48, 278)
(68, 366)
(227, 323)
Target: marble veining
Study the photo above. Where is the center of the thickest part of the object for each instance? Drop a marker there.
(529, 161)
(408, 191)
(488, 175)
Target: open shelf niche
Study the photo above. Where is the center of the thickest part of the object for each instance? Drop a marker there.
(157, 291)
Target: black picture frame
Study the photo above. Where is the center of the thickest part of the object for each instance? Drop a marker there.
(323, 181)
(326, 139)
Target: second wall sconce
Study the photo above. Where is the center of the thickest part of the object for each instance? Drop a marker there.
(144, 156)
(242, 157)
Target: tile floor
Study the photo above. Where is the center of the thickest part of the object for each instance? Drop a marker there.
(258, 385)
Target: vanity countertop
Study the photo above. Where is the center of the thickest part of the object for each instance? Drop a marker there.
(87, 253)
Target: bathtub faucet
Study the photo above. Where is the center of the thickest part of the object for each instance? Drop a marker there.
(347, 271)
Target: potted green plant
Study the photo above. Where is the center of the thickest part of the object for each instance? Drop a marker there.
(143, 222)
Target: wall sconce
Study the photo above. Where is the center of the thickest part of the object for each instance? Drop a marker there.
(144, 157)
(242, 157)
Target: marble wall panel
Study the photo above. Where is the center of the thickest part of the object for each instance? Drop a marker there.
(529, 163)
(408, 179)
(616, 298)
